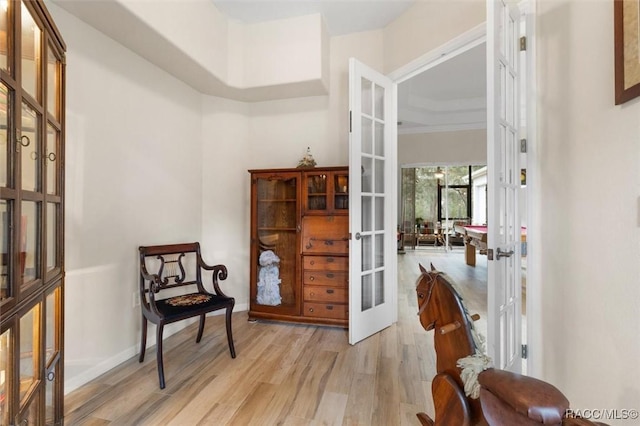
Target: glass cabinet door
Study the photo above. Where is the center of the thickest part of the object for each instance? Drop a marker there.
(326, 191)
(5, 374)
(341, 191)
(29, 348)
(276, 242)
(53, 335)
(32, 118)
(316, 184)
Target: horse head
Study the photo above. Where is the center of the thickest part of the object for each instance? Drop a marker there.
(440, 308)
(424, 289)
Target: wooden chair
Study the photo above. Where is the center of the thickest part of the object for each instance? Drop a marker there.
(178, 266)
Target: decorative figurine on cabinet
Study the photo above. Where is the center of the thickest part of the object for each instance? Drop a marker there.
(307, 162)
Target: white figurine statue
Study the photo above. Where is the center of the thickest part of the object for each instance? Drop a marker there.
(269, 279)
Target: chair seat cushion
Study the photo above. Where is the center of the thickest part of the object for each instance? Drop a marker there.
(189, 299)
(177, 306)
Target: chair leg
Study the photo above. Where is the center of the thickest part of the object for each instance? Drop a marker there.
(232, 348)
(200, 328)
(159, 354)
(143, 339)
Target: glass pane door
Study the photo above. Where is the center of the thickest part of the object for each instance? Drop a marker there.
(5, 372)
(31, 54)
(277, 242)
(5, 151)
(4, 46)
(316, 191)
(372, 217)
(29, 345)
(341, 192)
(52, 352)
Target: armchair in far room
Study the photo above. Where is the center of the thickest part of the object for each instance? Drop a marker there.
(427, 234)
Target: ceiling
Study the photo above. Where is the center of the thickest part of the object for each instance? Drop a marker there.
(448, 97)
(340, 16)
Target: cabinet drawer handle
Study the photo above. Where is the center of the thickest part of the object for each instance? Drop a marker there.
(310, 309)
(329, 259)
(311, 278)
(329, 291)
(313, 262)
(330, 275)
(312, 294)
(329, 307)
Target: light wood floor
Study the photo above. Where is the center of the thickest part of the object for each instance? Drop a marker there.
(283, 374)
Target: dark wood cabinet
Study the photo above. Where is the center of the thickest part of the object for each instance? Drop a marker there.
(301, 217)
(32, 72)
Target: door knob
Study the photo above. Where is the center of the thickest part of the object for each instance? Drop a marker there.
(501, 253)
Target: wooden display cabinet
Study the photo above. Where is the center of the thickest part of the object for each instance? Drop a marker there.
(32, 64)
(301, 216)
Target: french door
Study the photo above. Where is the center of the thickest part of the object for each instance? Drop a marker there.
(503, 155)
(372, 204)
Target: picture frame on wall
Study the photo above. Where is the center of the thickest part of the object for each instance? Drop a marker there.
(627, 49)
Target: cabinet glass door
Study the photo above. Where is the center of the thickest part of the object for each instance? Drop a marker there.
(5, 372)
(316, 191)
(341, 192)
(326, 192)
(277, 211)
(52, 353)
(29, 347)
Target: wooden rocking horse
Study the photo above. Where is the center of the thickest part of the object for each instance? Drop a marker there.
(505, 398)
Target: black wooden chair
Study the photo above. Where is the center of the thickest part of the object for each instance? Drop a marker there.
(178, 266)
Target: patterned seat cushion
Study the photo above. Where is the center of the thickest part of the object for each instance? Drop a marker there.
(177, 305)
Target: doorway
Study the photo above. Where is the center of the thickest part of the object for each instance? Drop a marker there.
(437, 127)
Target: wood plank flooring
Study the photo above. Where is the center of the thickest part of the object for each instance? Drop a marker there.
(284, 374)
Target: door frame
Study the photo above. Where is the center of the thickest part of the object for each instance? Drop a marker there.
(465, 41)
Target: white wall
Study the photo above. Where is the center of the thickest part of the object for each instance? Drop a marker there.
(209, 48)
(461, 147)
(590, 183)
(427, 25)
(285, 51)
(133, 177)
(226, 156)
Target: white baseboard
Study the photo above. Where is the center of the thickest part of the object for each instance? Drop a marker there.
(102, 367)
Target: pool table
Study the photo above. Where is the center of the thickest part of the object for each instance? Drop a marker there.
(475, 236)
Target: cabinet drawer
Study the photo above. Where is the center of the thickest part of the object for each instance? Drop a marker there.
(325, 263)
(325, 294)
(330, 278)
(326, 310)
